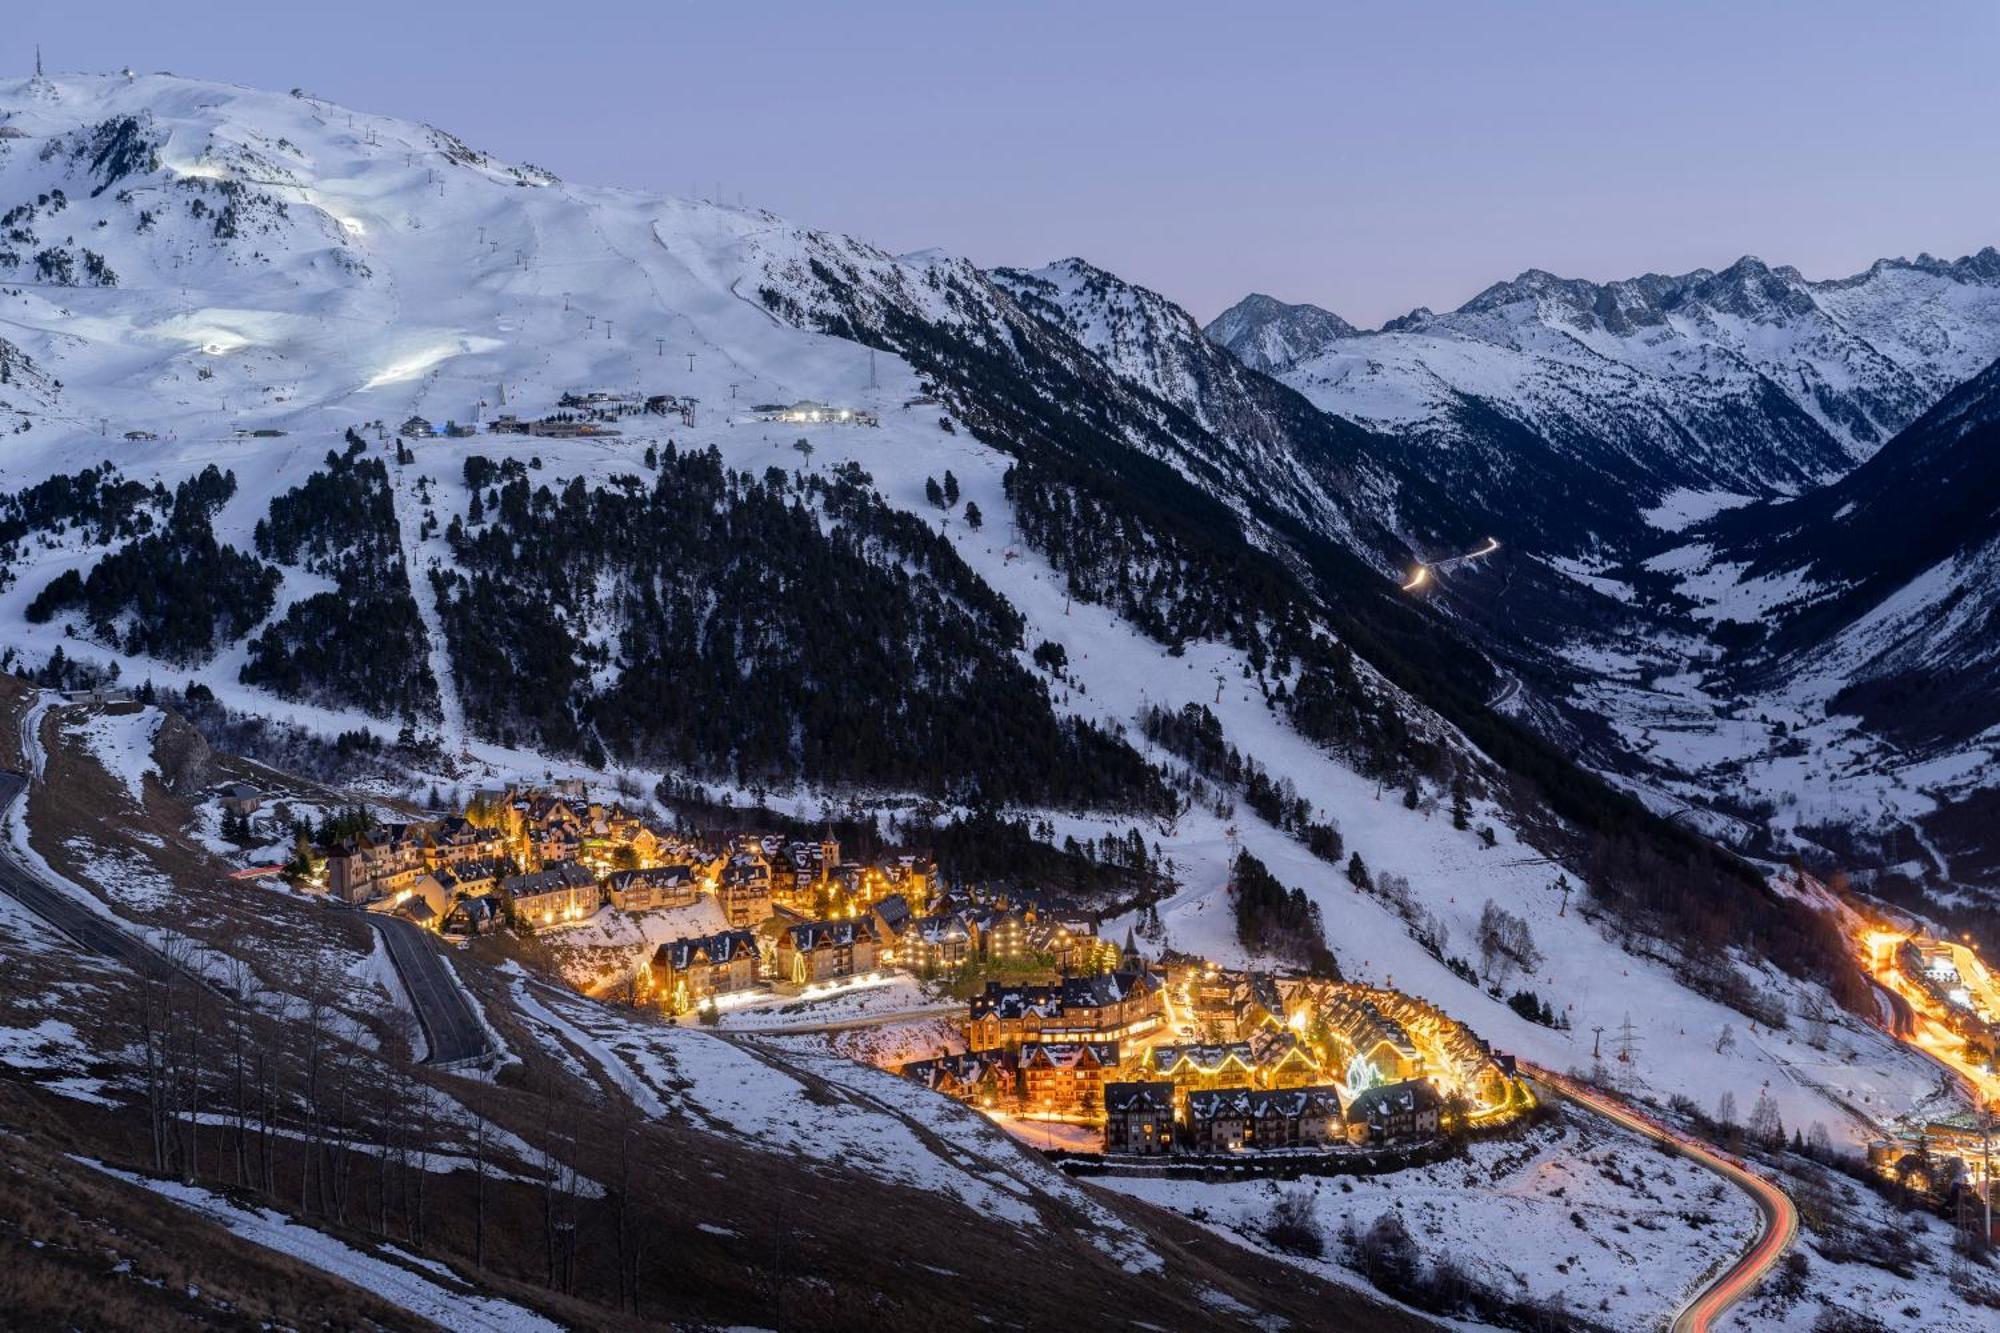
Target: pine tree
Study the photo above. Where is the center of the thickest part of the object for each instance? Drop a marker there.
(973, 518)
(950, 489)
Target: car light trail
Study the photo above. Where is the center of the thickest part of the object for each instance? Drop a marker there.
(1781, 1219)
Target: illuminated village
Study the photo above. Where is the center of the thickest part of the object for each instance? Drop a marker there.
(1946, 1002)
(1068, 1039)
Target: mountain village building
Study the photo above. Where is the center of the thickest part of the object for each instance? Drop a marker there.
(689, 971)
(1139, 1118)
(563, 891)
(816, 951)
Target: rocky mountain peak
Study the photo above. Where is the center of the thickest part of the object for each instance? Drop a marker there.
(1268, 334)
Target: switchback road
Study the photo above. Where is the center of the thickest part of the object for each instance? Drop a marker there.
(452, 1030)
(1780, 1218)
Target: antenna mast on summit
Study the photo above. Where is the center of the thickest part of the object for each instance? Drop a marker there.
(38, 60)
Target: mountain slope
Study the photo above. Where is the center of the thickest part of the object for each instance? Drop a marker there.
(1628, 395)
(753, 600)
(1896, 571)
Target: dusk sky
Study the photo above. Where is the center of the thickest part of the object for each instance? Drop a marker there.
(1365, 158)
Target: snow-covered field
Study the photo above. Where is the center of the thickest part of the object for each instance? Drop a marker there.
(122, 743)
(1586, 1215)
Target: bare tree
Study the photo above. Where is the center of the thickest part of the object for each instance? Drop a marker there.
(1505, 943)
(478, 1190)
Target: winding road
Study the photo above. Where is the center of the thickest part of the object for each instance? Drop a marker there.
(89, 929)
(451, 1029)
(1424, 571)
(1780, 1218)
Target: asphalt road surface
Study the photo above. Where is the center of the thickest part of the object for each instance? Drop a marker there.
(1780, 1218)
(450, 1027)
(87, 928)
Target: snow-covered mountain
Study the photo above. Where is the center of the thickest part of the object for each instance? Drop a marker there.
(1267, 334)
(1868, 608)
(771, 603)
(1654, 391)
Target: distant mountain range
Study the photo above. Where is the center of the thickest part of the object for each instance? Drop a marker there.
(1769, 497)
(1613, 397)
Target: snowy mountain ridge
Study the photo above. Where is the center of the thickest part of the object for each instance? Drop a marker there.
(1750, 380)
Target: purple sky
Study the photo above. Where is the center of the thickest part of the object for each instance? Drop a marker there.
(1367, 158)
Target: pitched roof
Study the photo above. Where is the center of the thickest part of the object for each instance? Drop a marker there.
(1001, 1000)
(1263, 1104)
(1274, 1046)
(832, 934)
(894, 911)
(661, 877)
(1208, 1059)
(1069, 1054)
(549, 879)
(1126, 1098)
(1389, 1099)
(453, 878)
(967, 1068)
(725, 946)
(940, 930)
(1106, 988)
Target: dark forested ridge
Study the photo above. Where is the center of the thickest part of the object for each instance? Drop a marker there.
(172, 592)
(761, 629)
(361, 645)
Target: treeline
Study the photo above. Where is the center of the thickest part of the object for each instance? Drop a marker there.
(1195, 734)
(363, 645)
(99, 503)
(172, 593)
(982, 847)
(339, 523)
(1276, 921)
(1177, 590)
(347, 758)
(709, 623)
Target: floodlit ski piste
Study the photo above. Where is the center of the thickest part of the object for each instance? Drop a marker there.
(202, 276)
